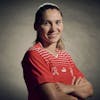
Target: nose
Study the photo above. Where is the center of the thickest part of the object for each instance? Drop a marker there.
(53, 28)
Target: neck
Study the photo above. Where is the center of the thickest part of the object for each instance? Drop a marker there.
(49, 46)
(52, 47)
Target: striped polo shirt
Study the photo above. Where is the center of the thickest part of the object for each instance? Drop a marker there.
(49, 68)
(41, 66)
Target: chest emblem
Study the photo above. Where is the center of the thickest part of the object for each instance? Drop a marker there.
(63, 70)
(54, 71)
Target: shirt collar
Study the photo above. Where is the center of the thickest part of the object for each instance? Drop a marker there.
(38, 45)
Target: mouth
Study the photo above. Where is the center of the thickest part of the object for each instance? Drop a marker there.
(52, 34)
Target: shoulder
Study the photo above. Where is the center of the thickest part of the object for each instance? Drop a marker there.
(37, 52)
(32, 53)
(36, 49)
(34, 57)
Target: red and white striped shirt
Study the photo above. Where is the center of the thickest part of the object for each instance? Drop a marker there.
(40, 66)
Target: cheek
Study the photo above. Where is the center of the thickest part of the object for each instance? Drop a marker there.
(44, 30)
(61, 28)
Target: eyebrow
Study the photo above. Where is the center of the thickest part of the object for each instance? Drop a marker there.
(55, 20)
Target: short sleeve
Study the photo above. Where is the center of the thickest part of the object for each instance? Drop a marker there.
(37, 69)
(77, 72)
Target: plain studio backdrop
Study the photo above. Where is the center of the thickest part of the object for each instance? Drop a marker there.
(81, 37)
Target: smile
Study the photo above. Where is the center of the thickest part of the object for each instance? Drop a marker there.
(52, 35)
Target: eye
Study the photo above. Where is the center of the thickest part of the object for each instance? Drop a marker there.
(58, 22)
(46, 23)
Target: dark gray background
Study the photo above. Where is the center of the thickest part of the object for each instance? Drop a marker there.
(81, 37)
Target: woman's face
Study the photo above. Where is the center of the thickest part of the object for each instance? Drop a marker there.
(51, 27)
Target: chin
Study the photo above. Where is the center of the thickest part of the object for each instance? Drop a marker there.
(53, 41)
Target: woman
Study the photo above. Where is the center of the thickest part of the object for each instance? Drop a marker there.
(49, 72)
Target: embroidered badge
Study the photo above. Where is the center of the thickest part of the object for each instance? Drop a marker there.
(54, 71)
(63, 70)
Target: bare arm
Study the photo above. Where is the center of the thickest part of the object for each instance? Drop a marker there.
(49, 91)
(81, 88)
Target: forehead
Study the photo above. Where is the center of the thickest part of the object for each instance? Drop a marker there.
(52, 13)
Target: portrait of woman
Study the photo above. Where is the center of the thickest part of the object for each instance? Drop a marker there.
(49, 71)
